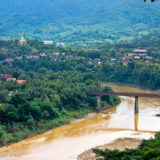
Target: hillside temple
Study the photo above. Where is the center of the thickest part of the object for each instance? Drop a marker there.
(22, 41)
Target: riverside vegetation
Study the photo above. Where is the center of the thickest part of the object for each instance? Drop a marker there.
(147, 150)
(45, 101)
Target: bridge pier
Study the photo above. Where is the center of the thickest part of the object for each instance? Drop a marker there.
(130, 94)
(98, 102)
(136, 111)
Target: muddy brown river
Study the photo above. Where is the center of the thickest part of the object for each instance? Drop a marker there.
(67, 142)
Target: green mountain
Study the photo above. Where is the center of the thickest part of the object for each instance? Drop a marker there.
(80, 22)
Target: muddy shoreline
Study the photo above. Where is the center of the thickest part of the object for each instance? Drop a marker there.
(120, 144)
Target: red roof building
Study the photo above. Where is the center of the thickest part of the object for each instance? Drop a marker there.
(20, 81)
(35, 57)
(9, 59)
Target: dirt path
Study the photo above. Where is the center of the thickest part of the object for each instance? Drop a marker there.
(119, 144)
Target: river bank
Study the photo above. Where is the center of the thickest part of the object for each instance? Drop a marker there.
(69, 141)
(14, 132)
(40, 128)
(119, 144)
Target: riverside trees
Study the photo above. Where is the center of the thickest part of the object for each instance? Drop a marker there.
(44, 101)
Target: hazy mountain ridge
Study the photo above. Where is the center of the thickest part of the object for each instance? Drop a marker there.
(85, 20)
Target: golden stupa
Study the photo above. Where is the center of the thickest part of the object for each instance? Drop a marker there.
(22, 41)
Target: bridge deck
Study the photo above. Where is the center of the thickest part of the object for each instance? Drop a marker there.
(131, 94)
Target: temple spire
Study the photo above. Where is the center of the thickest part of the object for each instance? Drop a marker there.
(22, 38)
(22, 41)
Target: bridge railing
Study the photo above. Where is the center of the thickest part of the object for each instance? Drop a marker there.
(130, 94)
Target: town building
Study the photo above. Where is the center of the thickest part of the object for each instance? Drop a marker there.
(59, 44)
(56, 54)
(137, 57)
(9, 59)
(127, 58)
(149, 57)
(19, 57)
(47, 42)
(20, 81)
(42, 54)
(140, 52)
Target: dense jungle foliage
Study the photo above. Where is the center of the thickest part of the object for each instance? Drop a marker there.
(45, 101)
(147, 150)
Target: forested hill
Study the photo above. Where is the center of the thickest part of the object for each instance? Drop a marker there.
(80, 21)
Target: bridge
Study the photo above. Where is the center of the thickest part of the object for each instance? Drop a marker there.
(130, 94)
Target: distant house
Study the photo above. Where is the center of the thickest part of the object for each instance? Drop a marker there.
(127, 58)
(6, 76)
(60, 44)
(56, 54)
(35, 57)
(9, 59)
(137, 57)
(29, 57)
(20, 81)
(42, 54)
(18, 57)
(113, 60)
(130, 54)
(139, 51)
(149, 57)
(47, 42)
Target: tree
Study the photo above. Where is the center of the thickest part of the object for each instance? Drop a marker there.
(23, 106)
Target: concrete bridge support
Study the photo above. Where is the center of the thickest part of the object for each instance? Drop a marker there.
(98, 102)
(136, 111)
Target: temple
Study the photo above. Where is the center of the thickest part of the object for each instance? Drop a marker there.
(22, 41)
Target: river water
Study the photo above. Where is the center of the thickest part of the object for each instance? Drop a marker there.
(66, 142)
